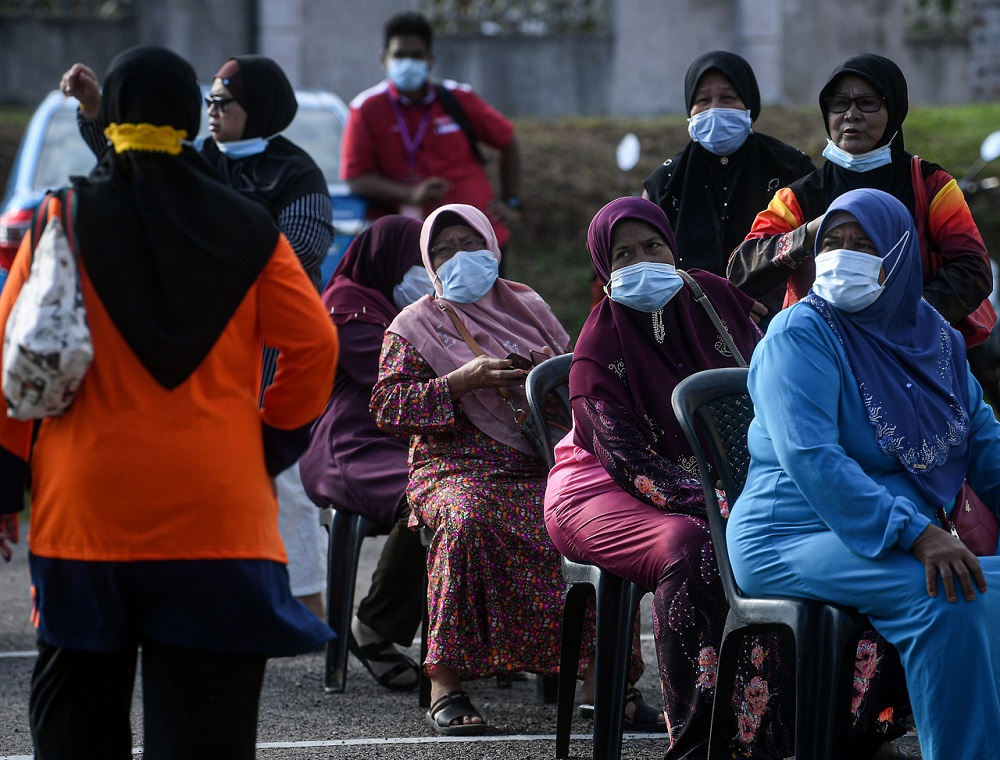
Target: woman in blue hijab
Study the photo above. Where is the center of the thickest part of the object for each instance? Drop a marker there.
(868, 421)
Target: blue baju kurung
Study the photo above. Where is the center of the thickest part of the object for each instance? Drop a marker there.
(826, 514)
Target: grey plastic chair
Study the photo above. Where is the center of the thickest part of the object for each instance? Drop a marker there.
(715, 410)
(617, 600)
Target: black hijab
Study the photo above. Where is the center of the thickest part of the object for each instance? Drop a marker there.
(732, 67)
(711, 201)
(284, 172)
(261, 87)
(887, 79)
(171, 251)
(817, 191)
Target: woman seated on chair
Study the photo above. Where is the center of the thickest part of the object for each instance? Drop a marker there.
(867, 423)
(495, 589)
(625, 493)
(353, 466)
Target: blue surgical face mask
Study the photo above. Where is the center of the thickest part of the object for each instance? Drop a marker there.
(646, 286)
(720, 130)
(848, 279)
(468, 276)
(415, 284)
(408, 74)
(857, 162)
(243, 148)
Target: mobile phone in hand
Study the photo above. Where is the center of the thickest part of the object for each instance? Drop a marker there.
(519, 362)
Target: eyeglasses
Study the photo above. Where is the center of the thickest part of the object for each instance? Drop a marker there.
(214, 100)
(841, 103)
(472, 243)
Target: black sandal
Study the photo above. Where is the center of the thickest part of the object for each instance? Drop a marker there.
(646, 718)
(453, 705)
(379, 652)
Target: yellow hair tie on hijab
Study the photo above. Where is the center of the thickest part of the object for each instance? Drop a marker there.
(145, 137)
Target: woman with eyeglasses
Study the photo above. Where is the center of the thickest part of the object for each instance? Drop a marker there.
(864, 103)
(250, 103)
(451, 379)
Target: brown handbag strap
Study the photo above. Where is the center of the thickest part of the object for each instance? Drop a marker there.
(519, 414)
(700, 297)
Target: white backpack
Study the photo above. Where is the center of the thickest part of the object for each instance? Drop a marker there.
(47, 346)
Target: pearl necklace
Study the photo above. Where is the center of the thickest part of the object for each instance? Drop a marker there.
(659, 331)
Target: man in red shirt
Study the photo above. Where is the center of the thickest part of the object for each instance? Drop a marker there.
(405, 147)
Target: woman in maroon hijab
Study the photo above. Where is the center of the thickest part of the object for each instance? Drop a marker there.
(625, 492)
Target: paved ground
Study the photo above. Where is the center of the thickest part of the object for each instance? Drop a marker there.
(299, 720)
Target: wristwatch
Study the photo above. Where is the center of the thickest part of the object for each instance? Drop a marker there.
(514, 203)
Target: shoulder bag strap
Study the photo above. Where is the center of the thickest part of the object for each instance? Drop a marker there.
(463, 330)
(519, 414)
(450, 104)
(67, 203)
(921, 213)
(700, 297)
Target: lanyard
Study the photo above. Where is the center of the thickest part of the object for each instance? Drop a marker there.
(410, 144)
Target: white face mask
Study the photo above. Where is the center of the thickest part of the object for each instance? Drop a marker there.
(243, 148)
(857, 162)
(408, 74)
(415, 284)
(646, 286)
(721, 131)
(468, 276)
(848, 279)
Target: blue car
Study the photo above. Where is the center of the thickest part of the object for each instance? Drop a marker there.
(52, 150)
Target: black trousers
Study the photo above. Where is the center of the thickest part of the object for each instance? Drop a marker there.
(195, 704)
(395, 602)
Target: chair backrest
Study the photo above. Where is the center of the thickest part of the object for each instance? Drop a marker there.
(547, 391)
(714, 410)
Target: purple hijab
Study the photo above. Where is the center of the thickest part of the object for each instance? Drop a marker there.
(617, 357)
(374, 263)
(908, 361)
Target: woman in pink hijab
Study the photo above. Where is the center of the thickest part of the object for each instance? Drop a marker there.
(495, 591)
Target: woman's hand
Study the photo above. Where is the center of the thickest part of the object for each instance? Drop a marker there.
(757, 312)
(8, 533)
(81, 82)
(484, 372)
(943, 554)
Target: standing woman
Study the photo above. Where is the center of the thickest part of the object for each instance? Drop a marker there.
(495, 587)
(250, 104)
(153, 520)
(864, 103)
(713, 189)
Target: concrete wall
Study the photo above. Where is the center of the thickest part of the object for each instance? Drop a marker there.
(335, 45)
(35, 52)
(636, 68)
(819, 36)
(542, 76)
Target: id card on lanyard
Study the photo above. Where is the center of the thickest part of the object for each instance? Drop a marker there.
(411, 146)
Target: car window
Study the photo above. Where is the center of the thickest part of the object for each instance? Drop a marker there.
(64, 153)
(317, 132)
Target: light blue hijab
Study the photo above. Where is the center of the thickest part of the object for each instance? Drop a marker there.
(908, 361)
